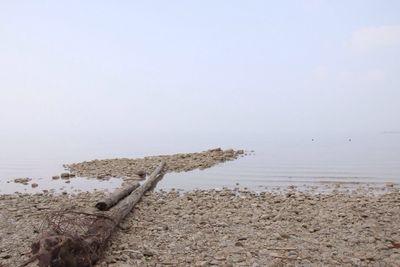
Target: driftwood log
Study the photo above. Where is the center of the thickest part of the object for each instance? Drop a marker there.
(55, 249)
(115, 197)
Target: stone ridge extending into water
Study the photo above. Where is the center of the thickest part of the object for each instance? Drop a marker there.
(129, 169)
(225, 228)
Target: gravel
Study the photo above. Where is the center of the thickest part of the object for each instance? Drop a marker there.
(226, 228)
(134, 169)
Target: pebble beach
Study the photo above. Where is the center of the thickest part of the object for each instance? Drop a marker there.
(228, 227)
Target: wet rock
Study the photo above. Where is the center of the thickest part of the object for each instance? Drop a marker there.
(65, 175)
(23, 181)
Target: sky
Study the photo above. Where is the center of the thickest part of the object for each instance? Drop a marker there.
(190, 67)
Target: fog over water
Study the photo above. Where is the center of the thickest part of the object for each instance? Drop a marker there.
(85, 80)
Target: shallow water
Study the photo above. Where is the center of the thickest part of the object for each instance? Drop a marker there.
(305, 162)
(276, 161)
(74, 185)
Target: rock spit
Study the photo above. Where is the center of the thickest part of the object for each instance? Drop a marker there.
(133, 169)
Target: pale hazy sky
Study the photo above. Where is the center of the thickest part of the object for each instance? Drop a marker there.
(200, 66)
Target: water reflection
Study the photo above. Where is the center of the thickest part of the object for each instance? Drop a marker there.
(73, 185)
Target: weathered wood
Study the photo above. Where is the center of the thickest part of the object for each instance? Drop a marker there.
(126, 205)
(86, 250)
(115, 197)
(104, 227)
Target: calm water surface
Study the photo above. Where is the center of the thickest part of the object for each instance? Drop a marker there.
(276, 161)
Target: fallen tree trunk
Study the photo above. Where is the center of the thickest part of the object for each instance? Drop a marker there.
(60, 249)
(115, 197)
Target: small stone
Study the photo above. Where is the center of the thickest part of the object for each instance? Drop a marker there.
(141, 173)
(34, 185)
(64, 175)
(147, 252)
(5, 256)
(55, 177)
(274, 254)
(22, 180)
(239, 244)
(200, 263)
(219, 256)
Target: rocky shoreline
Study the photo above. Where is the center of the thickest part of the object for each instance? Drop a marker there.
(225, 228)
(229, 227)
